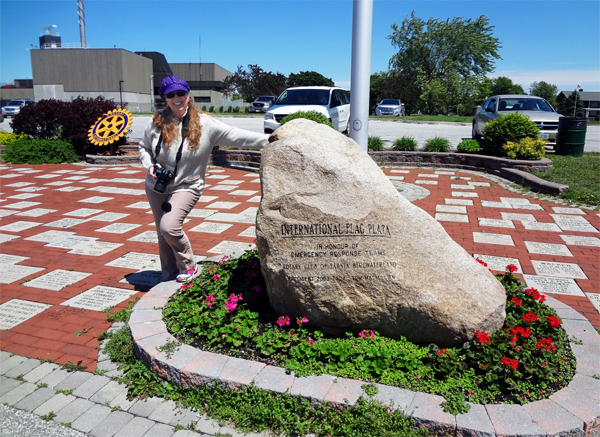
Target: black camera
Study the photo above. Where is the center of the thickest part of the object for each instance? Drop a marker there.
(164, 177)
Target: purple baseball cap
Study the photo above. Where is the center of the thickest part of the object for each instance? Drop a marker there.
(173, 83)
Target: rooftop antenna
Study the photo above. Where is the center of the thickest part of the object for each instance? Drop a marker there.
(48, 29)
(81, 14)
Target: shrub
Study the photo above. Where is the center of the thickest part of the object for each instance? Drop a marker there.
(204, 108)
(374, 144)
(211, 109)
(527, 148)
(309, 115)
(229, 109)
(437, 144)
(247, 109)
(220, 109)
(468, 146)
(66, 121)
(236, 109)
(509, 127)
(39, 152)
(405, 144)
(7, 138)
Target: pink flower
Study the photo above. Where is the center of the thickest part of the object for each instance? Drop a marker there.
(233, 298)
(283, 320)
(215, 277)
(366, 333)
(209, 300)
(230, 306)
(190, 271)
(301, 320)
(389, 410)
(311, 342)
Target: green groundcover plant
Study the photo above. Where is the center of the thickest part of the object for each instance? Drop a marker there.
(226, 310)
(407, 144)
(39, 152)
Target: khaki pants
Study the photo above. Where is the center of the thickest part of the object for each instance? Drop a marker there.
(174, 247)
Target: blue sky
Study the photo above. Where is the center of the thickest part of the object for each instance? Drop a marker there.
(554, 41)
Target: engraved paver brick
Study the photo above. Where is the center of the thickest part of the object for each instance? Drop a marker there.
(40, 372)
(17, 393)
(237, 371)
(91, 386)
(164, 412)
(35, 399)
(160, 430)
(312, 386)
(7, 384)
(25, 367)
(55, 403)
(11, 362)
(72, 410)
(91, 418)
(474, 423)
(274, 379)
(112, 424)
(553, 418)
(146, 407)
(137, 427)
(512, 420)
(108, 392)
(426, 410)
(73, 381)
(577, 403)
(344, 391)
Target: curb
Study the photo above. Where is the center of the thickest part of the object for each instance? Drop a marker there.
(572, 411)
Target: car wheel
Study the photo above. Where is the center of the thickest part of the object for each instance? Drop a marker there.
(474, 133)
(268, 131)
(347, 130)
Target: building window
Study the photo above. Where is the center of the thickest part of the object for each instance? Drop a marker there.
(202, 99)
(594, 104)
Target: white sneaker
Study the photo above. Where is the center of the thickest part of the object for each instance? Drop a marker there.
(185, 277)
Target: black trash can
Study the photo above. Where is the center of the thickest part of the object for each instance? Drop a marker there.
(571, 136)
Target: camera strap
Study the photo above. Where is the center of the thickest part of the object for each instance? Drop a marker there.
(184, 130)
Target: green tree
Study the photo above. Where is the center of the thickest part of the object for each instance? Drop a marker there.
(573, 101)
(254, 82)
(437, 54)
(545, 91)
(308, 78)
(505, 85)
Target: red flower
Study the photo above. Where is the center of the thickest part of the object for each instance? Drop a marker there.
(482, 337)
(516, 301)
(483, 263)
(532, 292)
(510, 363)
(530, 317)
(511, 268)
(554, 322)
(547, 344)
(442, 351)
(525, 333)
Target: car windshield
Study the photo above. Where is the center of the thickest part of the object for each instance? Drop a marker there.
(16, 103)
(524, 104)
(394, 102)
(304, 97)
(264, 99)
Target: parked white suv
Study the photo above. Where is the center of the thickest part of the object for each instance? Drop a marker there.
(332, 102)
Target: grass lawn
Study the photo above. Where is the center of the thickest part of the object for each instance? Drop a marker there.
(434, 118)
(581, 174)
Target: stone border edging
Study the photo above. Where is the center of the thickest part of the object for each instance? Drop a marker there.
(572, 411)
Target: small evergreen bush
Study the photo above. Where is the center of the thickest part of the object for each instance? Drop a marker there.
(247, 109)
(7, 138)
(220, 109)
(229, 109)
(468, 146)
(527, 148)
(309, 115)
(211, 109)
(39, 152)
(236, 109)
(405, 144)
(437, 144)
(374, 144)
(509, 127)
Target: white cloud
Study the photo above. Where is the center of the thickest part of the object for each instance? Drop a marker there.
(566, 80)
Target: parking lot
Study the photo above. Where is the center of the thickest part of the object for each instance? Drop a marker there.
(387, 130)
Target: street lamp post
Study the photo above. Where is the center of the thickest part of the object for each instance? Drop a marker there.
(121, 92)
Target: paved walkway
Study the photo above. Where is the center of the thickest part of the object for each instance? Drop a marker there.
(76, 239)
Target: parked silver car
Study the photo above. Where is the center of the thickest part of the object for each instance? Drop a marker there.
(390, 107)
(14, 107)
(537, 109)
(262, 104)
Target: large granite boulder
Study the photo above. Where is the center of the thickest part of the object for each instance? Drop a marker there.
(339, 245)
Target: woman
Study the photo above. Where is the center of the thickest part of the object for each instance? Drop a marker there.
(176, 165)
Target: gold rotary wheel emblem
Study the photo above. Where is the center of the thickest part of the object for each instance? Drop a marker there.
(110, 127)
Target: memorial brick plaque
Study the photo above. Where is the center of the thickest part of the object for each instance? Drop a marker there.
(139, 205)
(224, 205)
(96, 199)
(518, 217)
(217, 176)
(563, 210)
(546, 284)
(207, 199)
(514, 200)
(75, 178)
(6, 259)
(528, 206)
(115, 190)
(211, 228)
(486, 238)
(70, 189)
(10, 273)
(230, 182)
(451, 217)
(202, 213)
(4, 238)
(466, 202)
(225, 217)
(19, 226)
(99, 298)
(451, 208)
(58, 183)
(464, 194)
(559, 270)
(227, 247)
(222, 187)
(396, 178)
(541, 226)
(65, 223)
(569, 218)
(22, 205)
(547, 248)
(129, 172)
(243, 193)
(425, 182)
(479, 184)
(20, 184)
(576, 227)
(145, 278)
(495, 223)
(16, 311)
(47, 176)
(24, 196)
(10, 176)
(36, 212)
(499, 263)
(118, 228)
(50, 236)
(491, 204)
(96, 248)
(461, 187)
(93, 181)
(108, 217)
(62, 171)
(31, 189)
(83, 212)
(577, 240)
(441, 172)
(56, 280)
(136, 261)
(71, 242)
(595, 299)
(127, 180)
(427, 175)
(145, 237)
(462, 178)
(248, 232)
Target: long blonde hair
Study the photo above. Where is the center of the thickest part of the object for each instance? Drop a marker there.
(168, 125)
